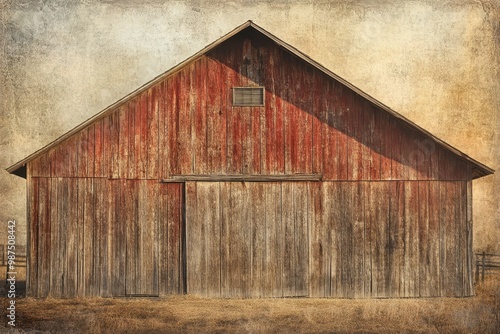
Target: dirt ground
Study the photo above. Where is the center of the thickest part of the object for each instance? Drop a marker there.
(188, 314)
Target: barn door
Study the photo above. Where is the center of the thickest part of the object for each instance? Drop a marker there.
(154, 238)
(247, 239)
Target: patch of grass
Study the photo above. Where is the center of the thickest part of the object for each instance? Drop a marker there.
(189, 314)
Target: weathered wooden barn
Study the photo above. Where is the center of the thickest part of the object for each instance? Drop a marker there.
(249, 170)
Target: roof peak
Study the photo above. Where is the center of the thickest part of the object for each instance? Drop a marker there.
(18, 168)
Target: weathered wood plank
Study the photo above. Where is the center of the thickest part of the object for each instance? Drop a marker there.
(146, 251)
(123, 141)
(238, 250)
(425, 280)
(82, 153)
(289, 264)
(365, 138)
(278, 116)
(344, 232)
(154, 105)
(397, 239)
(142, 135)
(396, 151)
(193, 239)
(112, 144)
(335, 236)
(358, 239)
(318, 119)
(301, 102)
(225, 238)
(469, 230)
(318, 245)
(201, 232)
(80, 241)
(340, 121)
(130, 217)
(213, 242)
(107, 151)
(255, 138)
(217, 96)
(133, 139)
(274, 239)
(106, 238)
(411, 239)
(258, 240)
(70, 157)
(58, 245)
(203, 116)
(174, 204)
(301, 223)
(71, 235)
(330, 132)
(172, 106)
(45, 212)
(245, 239)
(245, 79)
(99, 162)
(435, 235)
(378, 216)
(386, 131)
(162, 239)
(86, 189)
(118, 229)
(355, 121)
(185, 112)
(97, 200)
(33, 228)
(233, 123)
(461, 246)
(163, 131)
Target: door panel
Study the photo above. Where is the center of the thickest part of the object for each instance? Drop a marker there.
(247, 239)
(153, 214)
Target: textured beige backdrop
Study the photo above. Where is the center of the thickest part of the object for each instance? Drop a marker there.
(436, 62)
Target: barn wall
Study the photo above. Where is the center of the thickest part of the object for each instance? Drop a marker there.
(328, 239)
(387, 238)
(98, 237)
(186, 124)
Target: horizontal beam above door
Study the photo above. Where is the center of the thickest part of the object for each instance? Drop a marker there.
(244, 178)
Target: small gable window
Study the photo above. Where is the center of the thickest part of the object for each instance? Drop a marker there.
(248, 96)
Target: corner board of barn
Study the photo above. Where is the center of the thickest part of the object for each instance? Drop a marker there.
(248, 171)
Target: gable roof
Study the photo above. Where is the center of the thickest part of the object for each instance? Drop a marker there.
(478, 168)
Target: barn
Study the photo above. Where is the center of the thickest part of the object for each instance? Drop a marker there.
(249, 170)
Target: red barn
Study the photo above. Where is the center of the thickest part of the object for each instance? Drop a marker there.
(249, 170)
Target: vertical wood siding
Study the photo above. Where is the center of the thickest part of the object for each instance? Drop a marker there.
(105, 238)
(326, 239)
(186, 124)
(102, 225)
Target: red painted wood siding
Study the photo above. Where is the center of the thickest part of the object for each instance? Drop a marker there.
(186, 124)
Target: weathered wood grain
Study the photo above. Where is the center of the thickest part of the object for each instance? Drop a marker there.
(425, 279)
(390, 215)
(33, 235)
(397, 239)
(72, 235)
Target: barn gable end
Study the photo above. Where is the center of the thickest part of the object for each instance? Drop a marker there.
(358, 201)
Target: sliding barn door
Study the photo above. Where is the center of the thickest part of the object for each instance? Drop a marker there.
(247, 239)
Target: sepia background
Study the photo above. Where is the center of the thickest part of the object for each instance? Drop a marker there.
(435, 62)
